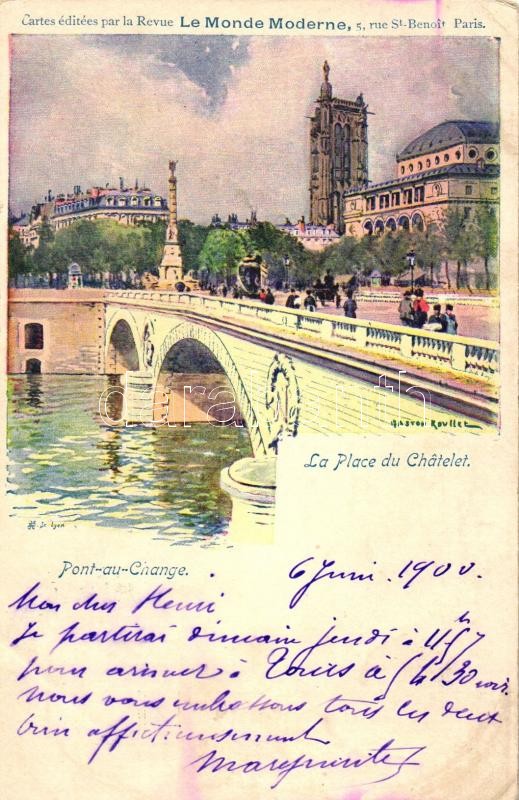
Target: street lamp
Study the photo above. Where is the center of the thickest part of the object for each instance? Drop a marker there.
(286, 262)
(411, 261)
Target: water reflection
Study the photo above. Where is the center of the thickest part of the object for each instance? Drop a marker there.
(34, 390)
(65, 464)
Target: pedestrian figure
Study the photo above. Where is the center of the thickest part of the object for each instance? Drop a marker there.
(452, 322)
(437, 321)
(290, 299)
(420, 309)
(269, 298)
(405, 309)
(297, 301)
(320, 291)
(310, 301)
(350, 305)
(224, 290)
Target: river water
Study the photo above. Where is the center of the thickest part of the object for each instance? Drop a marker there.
(66, 466)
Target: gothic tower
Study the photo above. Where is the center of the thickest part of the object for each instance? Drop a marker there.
(338, 153)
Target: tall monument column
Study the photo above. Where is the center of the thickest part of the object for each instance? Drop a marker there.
(171, 271)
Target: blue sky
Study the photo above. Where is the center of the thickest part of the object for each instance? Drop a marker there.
(232, 110)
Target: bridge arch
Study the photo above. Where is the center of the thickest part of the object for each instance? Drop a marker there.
(124, 344)
(219, 350)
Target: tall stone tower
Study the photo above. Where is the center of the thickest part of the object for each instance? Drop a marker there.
(338, 153)
(170, 270)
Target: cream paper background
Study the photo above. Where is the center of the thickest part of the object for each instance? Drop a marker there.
(383, 516)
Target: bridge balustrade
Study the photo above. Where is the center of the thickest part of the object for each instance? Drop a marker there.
(472, 357)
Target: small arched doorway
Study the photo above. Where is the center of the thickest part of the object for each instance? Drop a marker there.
(33, 366)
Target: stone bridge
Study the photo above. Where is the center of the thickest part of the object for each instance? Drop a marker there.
(280, 372)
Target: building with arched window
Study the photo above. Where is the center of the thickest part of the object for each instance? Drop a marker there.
(127, 206)
(453, 165)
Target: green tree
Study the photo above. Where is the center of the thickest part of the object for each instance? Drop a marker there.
(368, 254)
(390, 249)
(100, 245)
(40, 257)
(192, 239)
(276, 247)
(428, 246)
(340, 258)
(222, 252)
(17, 256)
(487, 238)
(154, 237)
(460, 240)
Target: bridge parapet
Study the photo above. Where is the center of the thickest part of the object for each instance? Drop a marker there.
(477, 358)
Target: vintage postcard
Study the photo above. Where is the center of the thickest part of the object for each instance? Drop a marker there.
(260, 442)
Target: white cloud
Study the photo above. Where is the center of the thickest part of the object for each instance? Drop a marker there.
(88, 114)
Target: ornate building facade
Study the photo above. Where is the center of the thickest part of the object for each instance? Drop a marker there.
(453, 165)
(126, 206)
(338, 153)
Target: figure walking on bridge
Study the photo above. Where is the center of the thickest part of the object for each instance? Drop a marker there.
(350, 305)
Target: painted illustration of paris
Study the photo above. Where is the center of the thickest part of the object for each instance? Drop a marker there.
(220, 242)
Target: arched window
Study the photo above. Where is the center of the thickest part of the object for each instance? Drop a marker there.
(346, 154)
(403, 223)
(34, 336)
(338, 146)
(368, 227)
(428, 162)
(446, 157)
(391, 224)
(402, 170)
(418, 222)
(420, 166)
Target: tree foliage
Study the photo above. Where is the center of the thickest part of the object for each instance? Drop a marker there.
(106, 246)
(17, 255)
(222, 252)
(487, 238)
(192, 239)
(460, 240)
(97, 246)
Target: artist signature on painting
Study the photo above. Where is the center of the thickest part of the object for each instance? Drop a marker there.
(40, 524)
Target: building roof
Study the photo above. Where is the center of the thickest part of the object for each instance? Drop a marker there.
(469, 170)
(450, 133)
